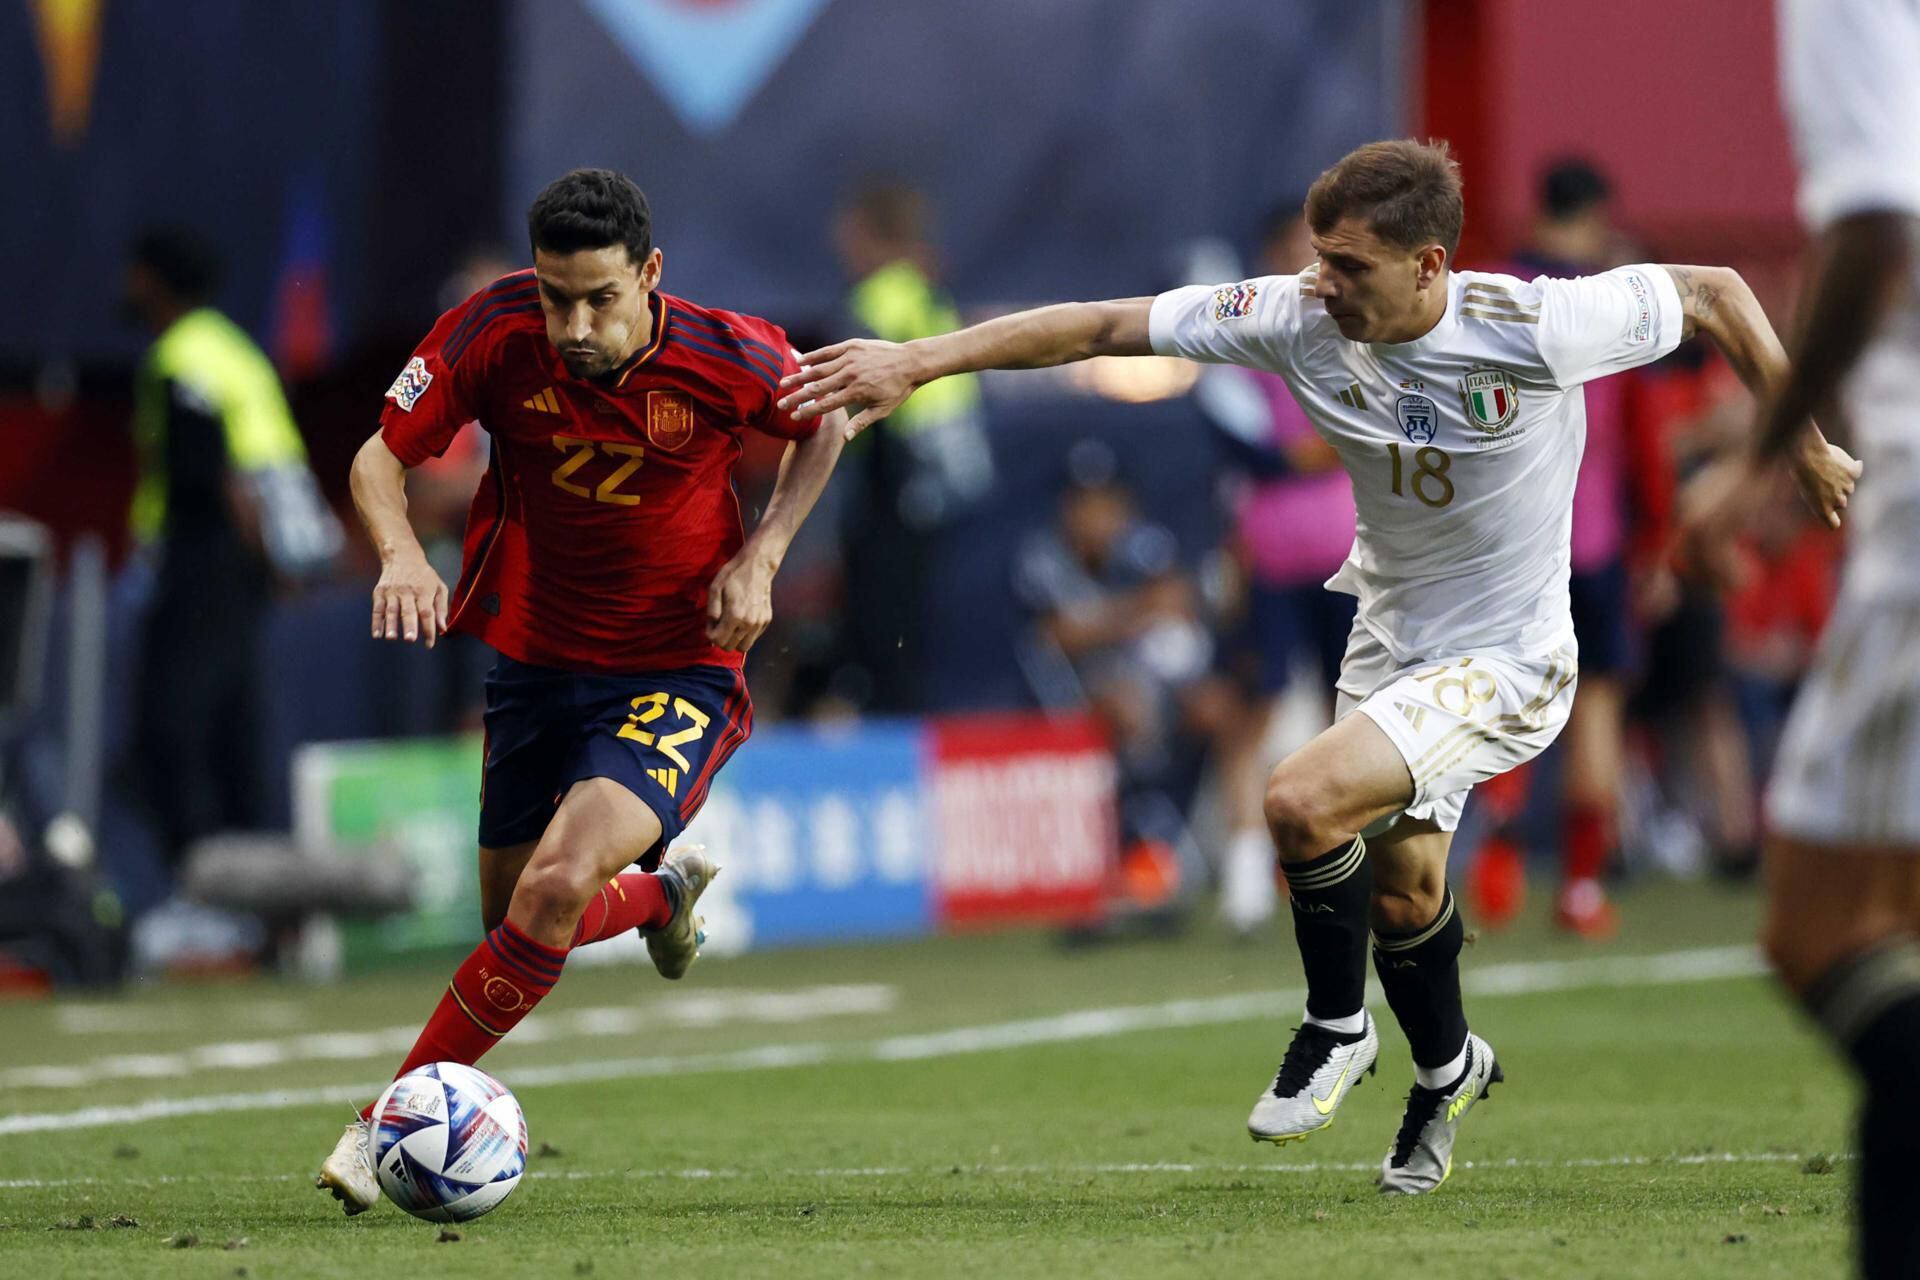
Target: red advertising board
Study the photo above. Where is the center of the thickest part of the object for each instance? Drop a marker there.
(1024, 816)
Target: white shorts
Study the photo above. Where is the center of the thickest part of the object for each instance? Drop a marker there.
(1849, 765)
(1459, 720)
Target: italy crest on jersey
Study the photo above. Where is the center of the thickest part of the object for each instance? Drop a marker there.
(669, 419)
(1491, 398)
(1419, 418)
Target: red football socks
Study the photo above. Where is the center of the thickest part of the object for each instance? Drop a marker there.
(493, 989)
(636, 900)
(1588, 842)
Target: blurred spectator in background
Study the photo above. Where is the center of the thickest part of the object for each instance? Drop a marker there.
(223, 502)
(1293, 522)
(1574, 235)
(1701, 761)
(1774, 621)
(914, 473)
(1116, 630)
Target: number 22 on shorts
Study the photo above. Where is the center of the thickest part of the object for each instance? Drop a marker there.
(648, 708)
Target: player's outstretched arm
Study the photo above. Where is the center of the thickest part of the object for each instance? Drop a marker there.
(1718, 304)
(1860, 262)
(410, 600)
(872, 378)
(740, 598)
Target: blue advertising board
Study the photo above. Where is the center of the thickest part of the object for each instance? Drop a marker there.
(822, 835)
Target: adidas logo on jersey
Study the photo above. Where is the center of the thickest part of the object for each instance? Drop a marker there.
(545, 402)
(669, 779)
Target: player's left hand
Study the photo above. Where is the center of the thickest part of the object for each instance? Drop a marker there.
(740, 601)
(1825, 475)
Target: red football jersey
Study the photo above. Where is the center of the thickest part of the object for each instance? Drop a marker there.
(607, 507)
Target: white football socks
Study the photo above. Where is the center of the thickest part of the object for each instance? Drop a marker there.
(1442, 1076)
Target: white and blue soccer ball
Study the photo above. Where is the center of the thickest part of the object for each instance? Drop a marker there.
(449, 1142)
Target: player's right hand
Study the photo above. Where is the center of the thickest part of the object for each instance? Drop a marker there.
(862, 374)
(409, 601)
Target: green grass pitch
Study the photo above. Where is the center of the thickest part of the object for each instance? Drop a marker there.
(951, 1107)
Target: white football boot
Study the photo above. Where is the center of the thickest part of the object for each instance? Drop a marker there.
(675, 945)
(348, 1172)
(1422, 1153)
(1314, 1079)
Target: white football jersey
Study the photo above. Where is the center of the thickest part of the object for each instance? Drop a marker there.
(1463, 444)
(1852, 85)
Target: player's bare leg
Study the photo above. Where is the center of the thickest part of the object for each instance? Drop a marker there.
(499, 872)
(599, 828)
(1417, 936)
(1318, 800)
(1843, 934)
(347, 1173)
(1595, 748)
(1248, 894)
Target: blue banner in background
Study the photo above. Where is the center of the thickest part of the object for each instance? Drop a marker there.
(822, 835)
(1072, 148)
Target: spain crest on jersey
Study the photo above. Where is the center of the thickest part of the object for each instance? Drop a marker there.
(1491, 398)
(669, 419)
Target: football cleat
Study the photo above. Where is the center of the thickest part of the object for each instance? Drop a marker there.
(348, 1172)
(1582, 908)
(1320, 1069)
(676, 945)
(1422, 1153)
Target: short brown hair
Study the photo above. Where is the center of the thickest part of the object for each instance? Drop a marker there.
(1408, 191)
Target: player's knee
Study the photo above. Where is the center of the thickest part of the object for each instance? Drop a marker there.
(1302, 817)
(556, 890)
(1799, 951)
(1406, 908)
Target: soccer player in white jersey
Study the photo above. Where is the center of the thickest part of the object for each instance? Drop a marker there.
(1453, 399)
(1843, 845)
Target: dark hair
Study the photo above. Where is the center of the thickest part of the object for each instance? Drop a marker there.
(591, 209)
(181, 259)
(1408, 191)
(1571, 185)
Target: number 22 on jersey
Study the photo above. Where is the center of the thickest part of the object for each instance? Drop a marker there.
(579, 452)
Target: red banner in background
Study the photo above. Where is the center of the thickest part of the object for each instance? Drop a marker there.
(1025, 818)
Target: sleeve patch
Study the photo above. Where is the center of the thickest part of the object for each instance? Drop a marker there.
(1232, 301)
(1642, 331)
(410, 385)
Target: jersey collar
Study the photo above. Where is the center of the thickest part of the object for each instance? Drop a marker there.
(657, 304)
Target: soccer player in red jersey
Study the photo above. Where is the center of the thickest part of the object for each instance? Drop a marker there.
(607, 564)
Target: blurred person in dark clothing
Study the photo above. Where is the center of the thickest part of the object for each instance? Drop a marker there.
(1574, 235)
(223, 500)
(1293, 523)
(919, 469)
(1117, 630)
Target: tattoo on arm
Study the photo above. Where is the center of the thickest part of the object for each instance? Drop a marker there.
(1697, 299)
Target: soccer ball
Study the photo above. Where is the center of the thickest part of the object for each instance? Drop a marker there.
(449, 1142)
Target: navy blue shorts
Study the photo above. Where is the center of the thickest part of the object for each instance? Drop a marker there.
(1284, 621)
(662, 735)
(1600, 620)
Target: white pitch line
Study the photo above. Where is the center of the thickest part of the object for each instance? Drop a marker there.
(1698, 965)
(972, 1170)
(692, 1009)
